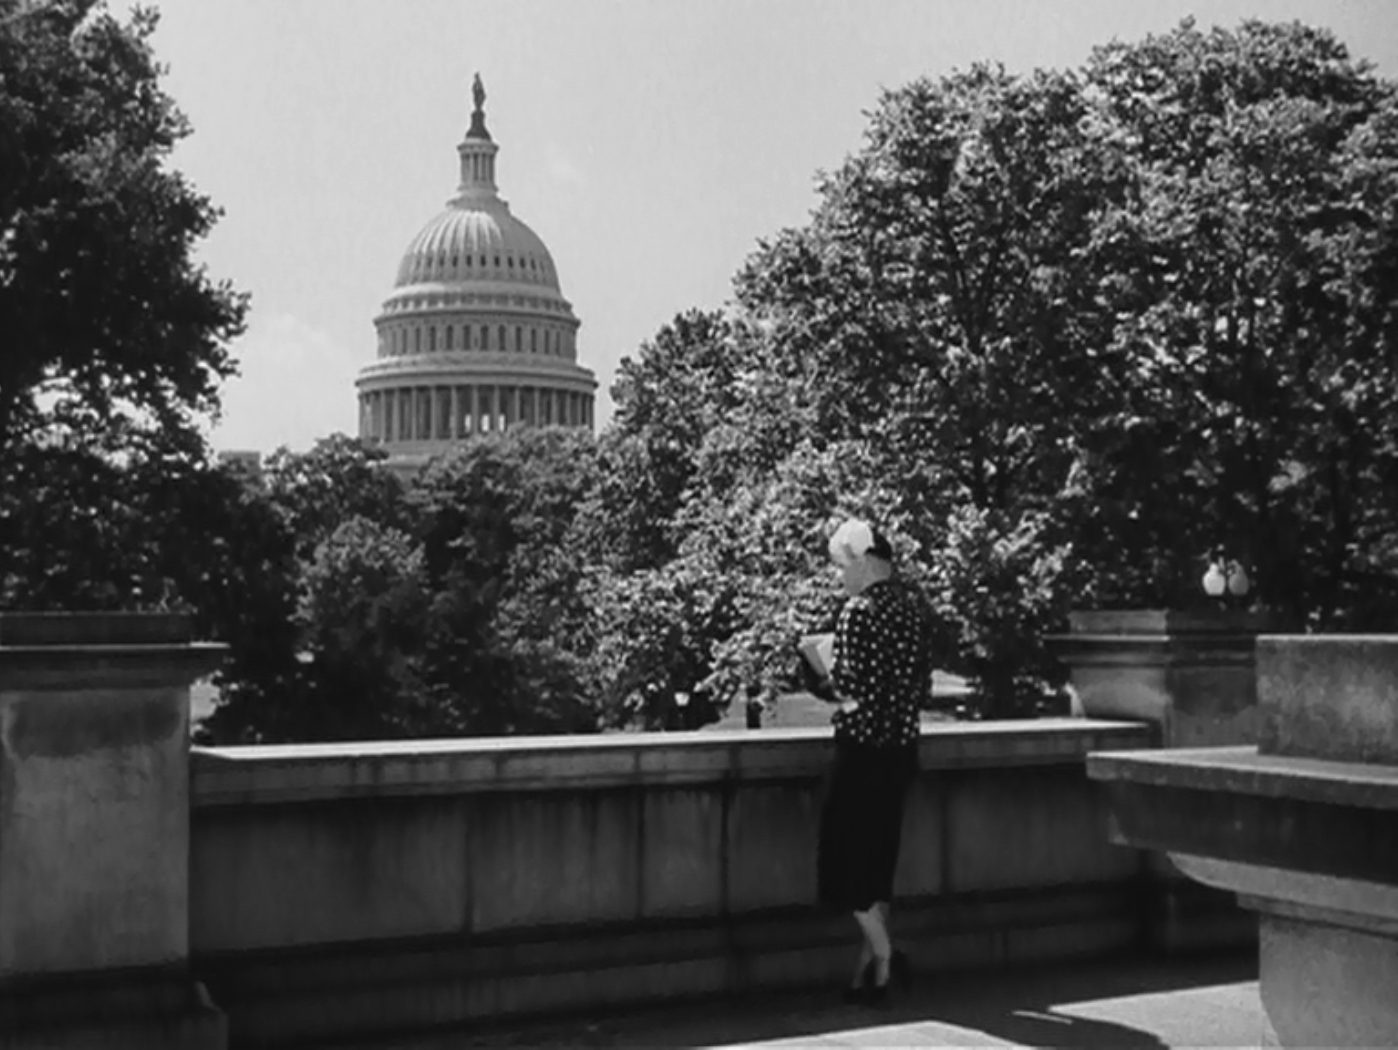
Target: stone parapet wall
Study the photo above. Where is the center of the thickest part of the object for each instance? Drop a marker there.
(340, 889)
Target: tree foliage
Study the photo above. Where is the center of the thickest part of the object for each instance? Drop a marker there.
(113, 335)
(1090, 327)
(1063, 335)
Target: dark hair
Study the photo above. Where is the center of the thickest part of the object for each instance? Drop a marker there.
(880, 547)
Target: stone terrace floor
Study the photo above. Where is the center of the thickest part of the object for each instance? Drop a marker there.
(1134, 1004)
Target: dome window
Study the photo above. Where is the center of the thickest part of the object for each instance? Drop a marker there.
(502, 345)
(497, 262)
(448, 337)
(485, 337)
(510, 261)
(417, 340)
(432, 339)
(533, 340)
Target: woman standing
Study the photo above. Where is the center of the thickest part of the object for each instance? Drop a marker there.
(882, 669)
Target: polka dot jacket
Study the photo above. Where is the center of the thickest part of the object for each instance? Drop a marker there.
(882, 661)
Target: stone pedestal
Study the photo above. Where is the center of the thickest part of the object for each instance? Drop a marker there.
(94, 833)
(1191, 675)
(1303, 828)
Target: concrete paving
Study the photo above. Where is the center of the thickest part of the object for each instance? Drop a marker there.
(1132, 1004)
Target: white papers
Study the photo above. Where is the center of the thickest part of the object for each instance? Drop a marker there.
(819, 651)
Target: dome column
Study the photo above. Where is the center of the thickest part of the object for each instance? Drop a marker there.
(475, 427)
(455, 431)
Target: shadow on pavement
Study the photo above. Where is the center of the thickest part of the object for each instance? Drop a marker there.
(1017, 1006)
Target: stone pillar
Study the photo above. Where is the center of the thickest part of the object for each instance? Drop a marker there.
(94, 833)
(1302, 827)
(455, 412)
(475, 427)
(1192, 675)
(516, 403)
(488, 408)
(431, 413)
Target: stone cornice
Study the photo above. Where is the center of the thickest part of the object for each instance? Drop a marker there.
(318, 772)
(430, 300)
(392, 374)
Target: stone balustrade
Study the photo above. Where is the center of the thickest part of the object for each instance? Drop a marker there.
(157, 897)
(394, 886)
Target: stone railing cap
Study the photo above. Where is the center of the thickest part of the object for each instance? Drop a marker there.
(34, 629)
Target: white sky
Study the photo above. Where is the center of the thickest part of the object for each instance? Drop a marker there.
(651, 143)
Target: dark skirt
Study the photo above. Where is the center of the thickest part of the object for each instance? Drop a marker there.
(861, 824)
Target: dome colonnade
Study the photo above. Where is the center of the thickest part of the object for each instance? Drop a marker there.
(476, 336)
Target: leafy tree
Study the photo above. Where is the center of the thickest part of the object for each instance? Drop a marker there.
(246, 595)
(1245, 271)
(681, 385)
(363, 612)
(115, 341)
(506, 625)
(114, 337)
(939, 298)
(1005, 584)
(340, 478)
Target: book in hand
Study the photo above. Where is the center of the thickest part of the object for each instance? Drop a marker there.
(817, 664)
(819, 651)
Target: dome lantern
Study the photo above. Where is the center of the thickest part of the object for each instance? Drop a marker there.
(477, 151)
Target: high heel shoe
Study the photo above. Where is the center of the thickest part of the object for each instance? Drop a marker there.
(876, 994)
(899, 973)
(900, 970)
(857, 994)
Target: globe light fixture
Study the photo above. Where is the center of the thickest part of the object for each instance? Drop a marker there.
(1238, 582)
(1215, 583)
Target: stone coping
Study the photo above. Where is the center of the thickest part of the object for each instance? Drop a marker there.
(252, 775)
(30, 629)
(1244, 771)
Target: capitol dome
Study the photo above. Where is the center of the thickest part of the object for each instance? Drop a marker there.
(476, 336)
